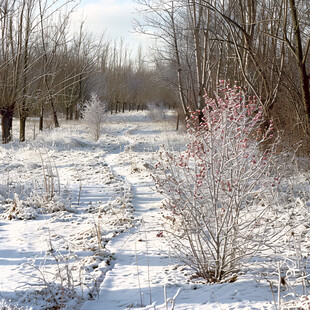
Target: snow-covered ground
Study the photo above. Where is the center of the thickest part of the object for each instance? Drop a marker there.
(80, 226)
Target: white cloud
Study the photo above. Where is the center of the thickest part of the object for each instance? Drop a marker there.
(114, 16)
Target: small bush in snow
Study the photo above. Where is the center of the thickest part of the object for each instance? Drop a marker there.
(33, 206)
(93, 115)
(215, 190)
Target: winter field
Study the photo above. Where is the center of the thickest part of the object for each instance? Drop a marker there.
(81, 226)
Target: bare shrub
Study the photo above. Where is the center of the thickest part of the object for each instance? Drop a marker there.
(45, 199)
(217, 191)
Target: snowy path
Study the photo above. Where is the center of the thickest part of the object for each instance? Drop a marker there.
(134, 254)
(138, 259)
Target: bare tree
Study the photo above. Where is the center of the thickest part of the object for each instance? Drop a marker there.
(54, 41)
(300, 52)
(25, 56)
(11, 47)
(261, 44)
(161, 23)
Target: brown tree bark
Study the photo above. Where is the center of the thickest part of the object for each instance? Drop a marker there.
(41, 117)
(301, 62)
(6, 123)
(54, 113)
(22, 128)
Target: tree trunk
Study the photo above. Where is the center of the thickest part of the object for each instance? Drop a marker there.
(6, 125)
(22, 128)
(178, 121)
(301, 62)
(55, 118)
(41, 117)
(67, 113)
(76, 112)
(179, 67)
(199, 73)
(305, 90)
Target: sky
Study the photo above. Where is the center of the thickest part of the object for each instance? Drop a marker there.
(112, 16)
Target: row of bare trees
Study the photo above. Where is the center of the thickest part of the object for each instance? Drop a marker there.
(125, 83)
(263, 45)
(47, 69)
(34, 58)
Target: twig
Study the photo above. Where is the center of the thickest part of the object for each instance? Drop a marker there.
(279, 286)
(165, 296)
(217, 300)
(148, 262)
(138, 273)
(271, 288)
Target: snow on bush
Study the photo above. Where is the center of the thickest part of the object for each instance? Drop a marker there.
(217, 190)
(93, 115)
(33, 206)
(291, 261)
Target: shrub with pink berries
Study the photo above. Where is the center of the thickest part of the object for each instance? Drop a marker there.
(211, 187)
